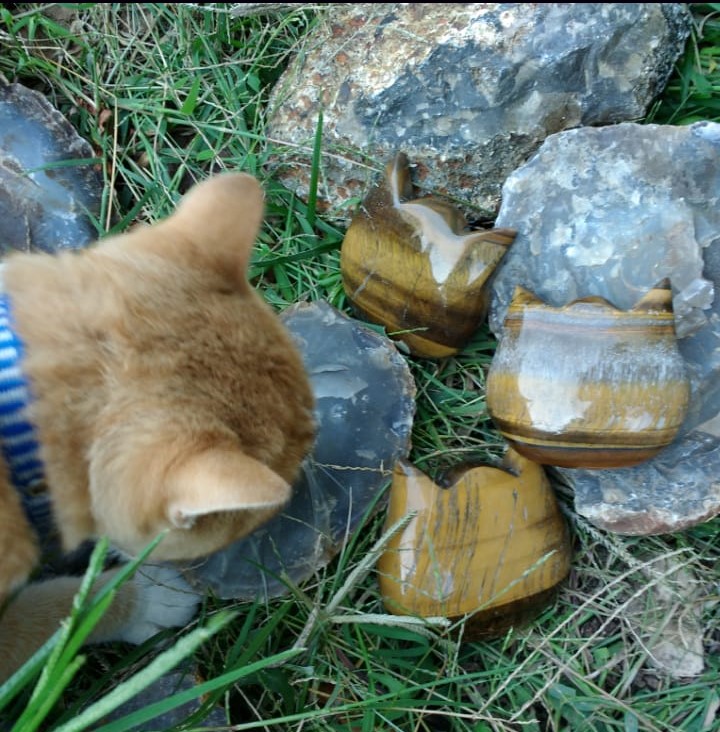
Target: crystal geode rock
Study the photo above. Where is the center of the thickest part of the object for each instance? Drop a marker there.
(610, 212)
(365, 404)
(49, 194)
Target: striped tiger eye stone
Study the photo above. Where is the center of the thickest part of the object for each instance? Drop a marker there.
(412, 266)
(492, 545)
(588, 385)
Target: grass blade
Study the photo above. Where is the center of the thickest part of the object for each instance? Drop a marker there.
(165, 662)
(154, 710)
(315, 172)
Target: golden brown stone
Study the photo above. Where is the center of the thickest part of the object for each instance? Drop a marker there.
(412, 266)
(492, 545)
(588, 385)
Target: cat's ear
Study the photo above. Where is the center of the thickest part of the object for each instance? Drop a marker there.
(219, 480)
(218, 221)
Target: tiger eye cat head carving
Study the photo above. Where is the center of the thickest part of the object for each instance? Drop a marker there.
(167, 394)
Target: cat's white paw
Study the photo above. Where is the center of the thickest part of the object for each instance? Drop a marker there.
(163, 600)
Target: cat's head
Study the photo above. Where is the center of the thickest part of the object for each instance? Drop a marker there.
(209, 408)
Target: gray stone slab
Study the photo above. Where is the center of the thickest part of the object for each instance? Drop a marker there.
(50, 191)
(365, 404)
(467, 90)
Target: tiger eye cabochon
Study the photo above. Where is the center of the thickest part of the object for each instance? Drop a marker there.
(412, 266)
(588, 385)
(492, 545)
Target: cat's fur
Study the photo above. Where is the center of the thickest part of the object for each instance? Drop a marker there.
(166, 396)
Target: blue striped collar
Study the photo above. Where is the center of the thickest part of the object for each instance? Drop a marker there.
(18, 439)
(17, 434)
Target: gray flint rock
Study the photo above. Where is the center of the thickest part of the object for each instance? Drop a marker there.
(611, 212)
(467, 90)
(365, 404)
(50, 193)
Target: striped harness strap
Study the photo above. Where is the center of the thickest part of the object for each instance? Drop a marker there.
(18, 440)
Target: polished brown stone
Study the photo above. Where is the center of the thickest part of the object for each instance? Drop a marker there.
(588, 385)
(412, 265)
(492, 545)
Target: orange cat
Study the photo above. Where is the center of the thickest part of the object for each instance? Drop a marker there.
(165, 395)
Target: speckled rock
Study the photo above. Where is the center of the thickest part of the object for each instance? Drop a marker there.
(48, 197)
(611, 212)
(467, 90)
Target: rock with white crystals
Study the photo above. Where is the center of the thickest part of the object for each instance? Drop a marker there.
(467, 90)
(610, 212)
(365, 404)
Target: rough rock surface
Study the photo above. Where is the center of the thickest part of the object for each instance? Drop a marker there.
(365, 404)
(467, 90)
(610, 212)
(48, 197)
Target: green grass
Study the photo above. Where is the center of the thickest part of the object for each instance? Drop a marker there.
(168, 93)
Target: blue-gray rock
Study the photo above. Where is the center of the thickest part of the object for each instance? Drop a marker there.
(175, 682)
(610, 212)
(50, 193)
(467, 90)
(365, 404)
